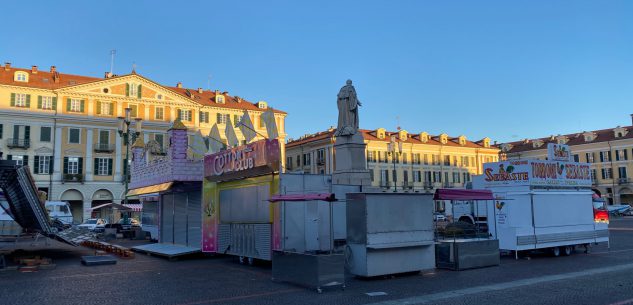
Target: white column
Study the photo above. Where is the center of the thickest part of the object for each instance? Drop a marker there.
(57, 158)
(91, 106)
(118, 158)
(89, 163)
(119, 109)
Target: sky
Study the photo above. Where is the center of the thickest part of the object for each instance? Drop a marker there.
(507, 70)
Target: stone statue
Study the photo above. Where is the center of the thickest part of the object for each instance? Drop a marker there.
(348, 104)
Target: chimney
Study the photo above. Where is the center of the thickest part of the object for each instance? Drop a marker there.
(34, 69)
(108, 75)
(179, 85)
(7, 66)
(217, 92)
(200, 90)
(53, 69)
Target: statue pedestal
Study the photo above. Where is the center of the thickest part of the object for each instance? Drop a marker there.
(351, 162)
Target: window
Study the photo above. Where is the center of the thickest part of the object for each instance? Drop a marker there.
(1, 131)
(456, 177)
(219, 99)
(104, 137)
(371, 156)
(576, 158)
(133, 91)
(593, 175)
(222, 118)
(160, 139)
(72, 165)
(426, 159)
(105, 108)
(45, 102)
(465, 161)
(42, 165)
(321, 156)
(606, 173)
(204, 117)
(76, 105)
(446, 177)
(103, 166)
(20, 99)
(621, 155)
(262, 105)
(159, 113)
(45, 134)
(159, 96)
(299, 161)
(371, 175)
(605, 156)
(417, 177)
(383, 177)
(19, 159)
(589, 157)
(262, 123)
(622, 172)
(404, 158)
(21, 77)
(416, 158)
(306, 159)
(288, 162)
(74, 136)
(447, 160)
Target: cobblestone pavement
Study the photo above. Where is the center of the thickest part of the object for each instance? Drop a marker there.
(601, 277)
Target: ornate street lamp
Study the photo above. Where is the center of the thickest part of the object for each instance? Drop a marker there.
(128, 137)
(394, 148)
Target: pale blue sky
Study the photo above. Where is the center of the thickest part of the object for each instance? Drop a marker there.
(504, 69)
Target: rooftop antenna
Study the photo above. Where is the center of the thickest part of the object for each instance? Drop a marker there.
(133, 68)
(112, 53)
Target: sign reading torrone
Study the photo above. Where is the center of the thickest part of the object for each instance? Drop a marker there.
(537, 173)
(254, 159)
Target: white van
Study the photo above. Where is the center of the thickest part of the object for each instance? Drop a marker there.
(59, 210)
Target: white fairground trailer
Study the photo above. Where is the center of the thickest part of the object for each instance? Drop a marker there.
(541, 205)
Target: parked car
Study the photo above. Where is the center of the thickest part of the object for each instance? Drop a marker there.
(59, 210)
(128, 223)
(94, 224)
(439, 216)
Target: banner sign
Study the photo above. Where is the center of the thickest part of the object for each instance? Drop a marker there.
(537, 173)
(558, 152)
(250, 160)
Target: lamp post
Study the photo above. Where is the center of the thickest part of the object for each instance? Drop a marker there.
(128, 137)
(394, 149)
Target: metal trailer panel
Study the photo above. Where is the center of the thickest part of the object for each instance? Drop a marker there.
(467, 253)
(309, 270)
(247, 240)
(245, 204)
(167, 219)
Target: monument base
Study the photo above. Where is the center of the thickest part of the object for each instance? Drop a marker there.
(351, 161)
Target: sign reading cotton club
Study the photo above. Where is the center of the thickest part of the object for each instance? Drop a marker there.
(537, 173)
(254, 159)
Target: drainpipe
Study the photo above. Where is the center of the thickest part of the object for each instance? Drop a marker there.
(612, 174)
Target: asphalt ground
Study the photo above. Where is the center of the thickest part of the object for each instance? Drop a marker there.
(604, 276)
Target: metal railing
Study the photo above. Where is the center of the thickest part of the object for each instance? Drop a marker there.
(18, 143)
(624, 180)
(73, 178)
(103, 147)
(158, 151)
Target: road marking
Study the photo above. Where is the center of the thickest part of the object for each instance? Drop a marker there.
(425, 299)
(241, 297)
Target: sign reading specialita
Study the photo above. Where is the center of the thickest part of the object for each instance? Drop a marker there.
(537, 173)
(558, 152)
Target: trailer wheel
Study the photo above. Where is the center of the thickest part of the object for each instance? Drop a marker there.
(567, 250)
(556, 251)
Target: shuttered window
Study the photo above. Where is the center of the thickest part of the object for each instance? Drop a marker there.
(103, 166)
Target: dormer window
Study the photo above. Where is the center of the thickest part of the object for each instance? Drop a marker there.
(486, 142)
(443, 138)
(21, 76)
(219, 99)
(619, 132)
(424, 137)
(262, 105)
(589, 136)
(403, 135)
(506, 147)
(562, 140)
(380, 133)
(537, 143)
(461, 140)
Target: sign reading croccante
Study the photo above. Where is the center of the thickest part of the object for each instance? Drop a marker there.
(250, 160)
(537, 173)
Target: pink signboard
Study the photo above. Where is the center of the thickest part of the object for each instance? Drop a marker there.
(250, 160)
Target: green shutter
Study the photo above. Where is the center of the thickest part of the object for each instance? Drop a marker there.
(39, 102)
(28, 100)
(178, 113)
(110, 167)
(139, 93)
(98, 107)
(81, 106)
(218, 118)
(80, 166)
(125, 165)
(9, 157)
(54, 103)
(190, 115)
(25, 160)
(96, 166)
(65, 165)
(50, 164)
(127, 89)
(36, 162)
(27, 132)
(112, 109)
(67, 104)
(12, 99)
(1, 131)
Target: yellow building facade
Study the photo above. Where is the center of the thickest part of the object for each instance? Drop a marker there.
(65, 127)
(609, 151)
(425, 162)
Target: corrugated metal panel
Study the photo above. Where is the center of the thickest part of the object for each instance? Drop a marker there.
(167, 219)
(180, 219)
(224, 237)
(194, 216)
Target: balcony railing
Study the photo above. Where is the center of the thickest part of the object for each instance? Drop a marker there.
(321, 161)
(18, 143)
(407, 185)
(102, 147)
(385, 184)
(428, 185)
(158, 151)
(73, 178)
(624, 180)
